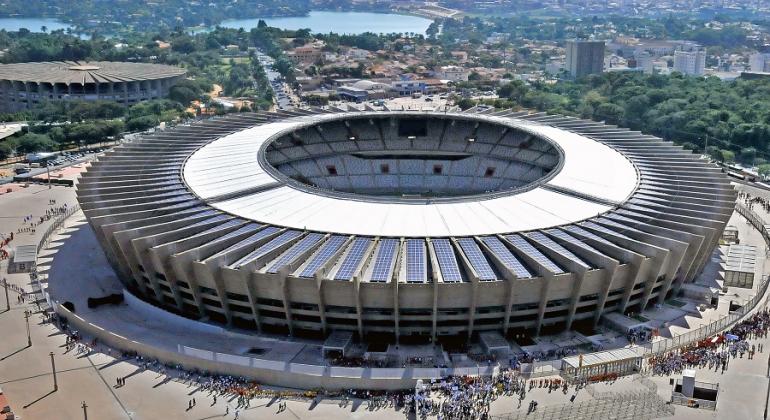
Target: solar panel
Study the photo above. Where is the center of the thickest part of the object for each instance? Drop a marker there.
(353, 259)
(292, 254)
(603, 229)
(415, 261)
(522, 245)
(618, 225)
(206, 213)
(250, 240)
(382, 264)
(447, 261)
(506, 257)
(555, 247)
(274, 243)
(573, 240)
(477, 259)
(223, 226)
(219, 218)
(328, 249)
(580, 231)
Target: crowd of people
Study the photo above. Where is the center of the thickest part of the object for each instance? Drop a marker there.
(717, 351)
(469, 398)
(751, 201)
(30, 223)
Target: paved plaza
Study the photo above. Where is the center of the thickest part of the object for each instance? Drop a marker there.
(74, 262)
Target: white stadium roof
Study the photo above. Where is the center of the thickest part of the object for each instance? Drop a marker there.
(228, 174)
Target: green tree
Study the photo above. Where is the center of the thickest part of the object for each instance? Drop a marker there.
(727, 156)
(31, 143)
(764, 169)
(142, 123)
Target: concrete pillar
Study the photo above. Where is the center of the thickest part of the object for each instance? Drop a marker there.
(359, 306)
(251, 289)
(688, 383)
(322, 302)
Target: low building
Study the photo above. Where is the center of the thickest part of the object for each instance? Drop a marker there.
(306, 54)
(739, 267)
(453, 73)
(23, 259)
(408, 87)
(364, 90)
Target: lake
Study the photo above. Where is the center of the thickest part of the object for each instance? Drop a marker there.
(341, 22)
(33, 24)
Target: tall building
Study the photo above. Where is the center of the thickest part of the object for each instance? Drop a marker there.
(692, 63)
(585, 57)
(644, 61)
(760, 62)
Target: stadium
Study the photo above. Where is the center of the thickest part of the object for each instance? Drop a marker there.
(404, 226)
(25, 85)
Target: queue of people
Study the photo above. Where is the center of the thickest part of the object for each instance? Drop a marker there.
(717, 351)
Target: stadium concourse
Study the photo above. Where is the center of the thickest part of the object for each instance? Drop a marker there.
(640, 233)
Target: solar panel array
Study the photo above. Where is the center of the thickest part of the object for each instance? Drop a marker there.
(600, 228)
(618, 225)
(298, 249)
(262, 234)
(352, 259)
(265, 249)
(571, 239)
(479, 263)
(557, 248)
(580, 231)
(447, 261)
(382, 265)
(223, 226)
(506, 257)
(415, 261)
(522, 245)
(328, 249)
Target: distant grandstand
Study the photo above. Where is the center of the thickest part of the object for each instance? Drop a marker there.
(25, 85)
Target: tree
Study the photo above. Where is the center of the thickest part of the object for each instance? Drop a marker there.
(31, 143)
(7, 149)
(142, 123)
(182, 94)
(609, 112)
(466, 103)
(727, 156)
(764, 169)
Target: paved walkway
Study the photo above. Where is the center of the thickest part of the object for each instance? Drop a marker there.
(27, 382)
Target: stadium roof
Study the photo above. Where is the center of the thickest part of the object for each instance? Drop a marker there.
(228, 174)
(83, 72)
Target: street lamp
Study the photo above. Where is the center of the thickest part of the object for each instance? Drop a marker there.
(27, 314)
(53, 368)
(7, 299)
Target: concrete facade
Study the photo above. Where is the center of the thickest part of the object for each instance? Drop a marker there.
(176, 251)
(27, 85)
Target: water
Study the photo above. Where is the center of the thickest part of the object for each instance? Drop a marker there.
(33, 24)
(341, 22)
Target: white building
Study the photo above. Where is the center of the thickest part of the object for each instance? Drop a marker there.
(453, 73)
(644, 61)
(692, 63)
(760, 62)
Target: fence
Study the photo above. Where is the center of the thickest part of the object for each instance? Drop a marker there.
(666, 345)
(632, 405)
(41, 297)
(663, 346)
